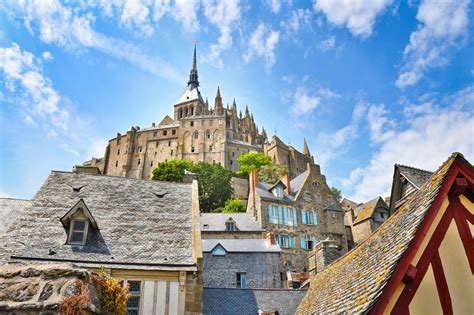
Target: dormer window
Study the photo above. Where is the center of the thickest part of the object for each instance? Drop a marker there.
(279, 192)
(78, 222)
(230, 225)
(78, 231)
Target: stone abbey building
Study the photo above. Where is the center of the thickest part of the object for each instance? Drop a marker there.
(197, 132)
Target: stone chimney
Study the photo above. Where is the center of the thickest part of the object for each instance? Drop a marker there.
(286, 181)
(270, 237)
(323, 254)
(253, 180)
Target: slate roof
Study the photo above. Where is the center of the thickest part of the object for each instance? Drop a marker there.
(365, 211)
(298, 181)
(216, 221)
(353, 283)
(241, 245)
(136, 227)
(191, 93)
(218, 301)
(263, 191)
(9, 210)
(415, 175)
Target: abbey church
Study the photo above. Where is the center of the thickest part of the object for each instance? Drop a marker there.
(197, 132)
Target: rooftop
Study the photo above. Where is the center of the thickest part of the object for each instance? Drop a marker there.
(141, 223)
(9, 210)
(415, 175)
(241, 245)
(216, 221)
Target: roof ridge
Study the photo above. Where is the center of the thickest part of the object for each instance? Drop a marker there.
(414, 168)
(11, 198)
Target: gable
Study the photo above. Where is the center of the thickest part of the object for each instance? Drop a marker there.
(167, 120)
(79, 209)
(219, 250)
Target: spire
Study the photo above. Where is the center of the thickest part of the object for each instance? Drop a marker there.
(193, 74)
(246, 110)
(234, 104)
(218, 108)
(305, 148)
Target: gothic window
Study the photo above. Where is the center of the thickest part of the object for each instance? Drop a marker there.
(196, 134)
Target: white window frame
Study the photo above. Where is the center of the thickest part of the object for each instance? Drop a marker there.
(230, 224)
(85, 231)
(134, 294)
(285, 240)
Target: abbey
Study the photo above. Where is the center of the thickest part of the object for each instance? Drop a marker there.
(197, 132)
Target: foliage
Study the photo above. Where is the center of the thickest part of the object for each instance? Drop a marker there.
(252, 161)
(75, 304)
(171, 171)
(214, 183)
(114, 296)
(272, 173)
(336, 193)
(233, 205)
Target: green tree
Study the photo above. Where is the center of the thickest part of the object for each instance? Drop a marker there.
(252, 161)
(171, 171)
(272, 173)
(233, 205)
(336, 193)
(214, 183)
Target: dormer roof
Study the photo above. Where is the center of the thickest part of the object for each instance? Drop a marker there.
(80, 206)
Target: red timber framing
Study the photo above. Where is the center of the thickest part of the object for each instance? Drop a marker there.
(459, 180)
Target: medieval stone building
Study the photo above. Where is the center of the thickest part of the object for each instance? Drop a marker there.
(196, 132)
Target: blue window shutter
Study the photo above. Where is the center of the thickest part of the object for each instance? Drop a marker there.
(295, 217)
(302, 243)
(292, 241)
(315, 218)
(303, 216)
(285, 216)
(270, 214)
(280, 215)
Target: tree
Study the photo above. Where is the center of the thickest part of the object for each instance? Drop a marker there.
(233, 206)
(214, 183)
(336, 193)
(272, 173)
(252, 161)
(171, 171)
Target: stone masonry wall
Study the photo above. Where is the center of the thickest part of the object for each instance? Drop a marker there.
(262, 270)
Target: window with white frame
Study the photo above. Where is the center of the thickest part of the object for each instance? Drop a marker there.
(78, 231)
(283, 240)
(307, 242)
(133, 302)
(230, 226)
(241, 280)
(278, 191)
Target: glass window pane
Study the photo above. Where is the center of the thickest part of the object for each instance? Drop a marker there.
(79, 225)
(77, 236)
(134, 286)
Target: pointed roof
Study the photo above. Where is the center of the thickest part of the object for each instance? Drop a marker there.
(305, 148)
(218, 94)
(365, 210)
(193, 74)
(357, 281)
(415, 175)
(167, 120)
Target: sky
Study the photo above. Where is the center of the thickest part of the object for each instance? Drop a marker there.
(368, 83)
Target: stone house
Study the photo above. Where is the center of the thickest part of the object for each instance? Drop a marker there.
(365, 218)
(299, 213)
(420, 261)
(230, 226)
(143, 232)
(406, 181)
(241, 263)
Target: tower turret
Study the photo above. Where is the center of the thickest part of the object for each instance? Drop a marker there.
(193, 74)
(218, 103)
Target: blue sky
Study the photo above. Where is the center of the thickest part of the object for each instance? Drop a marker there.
(367, 83)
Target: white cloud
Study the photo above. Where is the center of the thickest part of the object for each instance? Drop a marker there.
(262, 44)
(72, 30)
(299, 19)
(97, 148)
(327, 44)
(47, 55)
(305, 102)
(274, 5)
(136, 13)
(185, 11)
(443, 25)
(225, 15)
(23, 76)
(357, 15)
(432, 131)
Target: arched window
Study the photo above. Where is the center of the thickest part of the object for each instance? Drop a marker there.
(196, 134)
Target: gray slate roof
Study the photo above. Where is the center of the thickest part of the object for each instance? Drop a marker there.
(216, 221)
(218, 301)
(298, 181)
(263, 191)
(136, 227)
(241, 245)
(415, 175)
(354, 283)
(9, 210)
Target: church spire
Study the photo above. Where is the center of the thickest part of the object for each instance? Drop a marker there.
(193, 74)
(305, 148)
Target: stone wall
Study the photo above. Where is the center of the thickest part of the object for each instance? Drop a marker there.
(361, 231)
(241, 188)
(262, 270)
(42, 288)
(194, 291)
(232, 234)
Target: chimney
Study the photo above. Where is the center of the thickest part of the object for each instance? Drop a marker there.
(253, 180)
(286, 181)
(323, 254)
(270, 237)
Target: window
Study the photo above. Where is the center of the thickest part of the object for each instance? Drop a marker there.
(230, 226)
(78, 231)
(315, 183)
(171, 153)
(155, 134)
(192, 149)
(116, 163)
(151, 163)
(218, 251)
(382, 215)
(140, 149)
(307, 242)
(165, 132)
(133, 302)
(155, 153)
(285, 241)
(156, 144)
(202, 122)
(279, 191)
(210, 148)
(192, 123)
(196, 135)
(118, 140)
(173, 132)
(205, 226)
(169, 143)
(220, 121)
(118, 152)
(233, 154)
(309, 217)
(231, 162)
(241, 280)
(138, 162)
